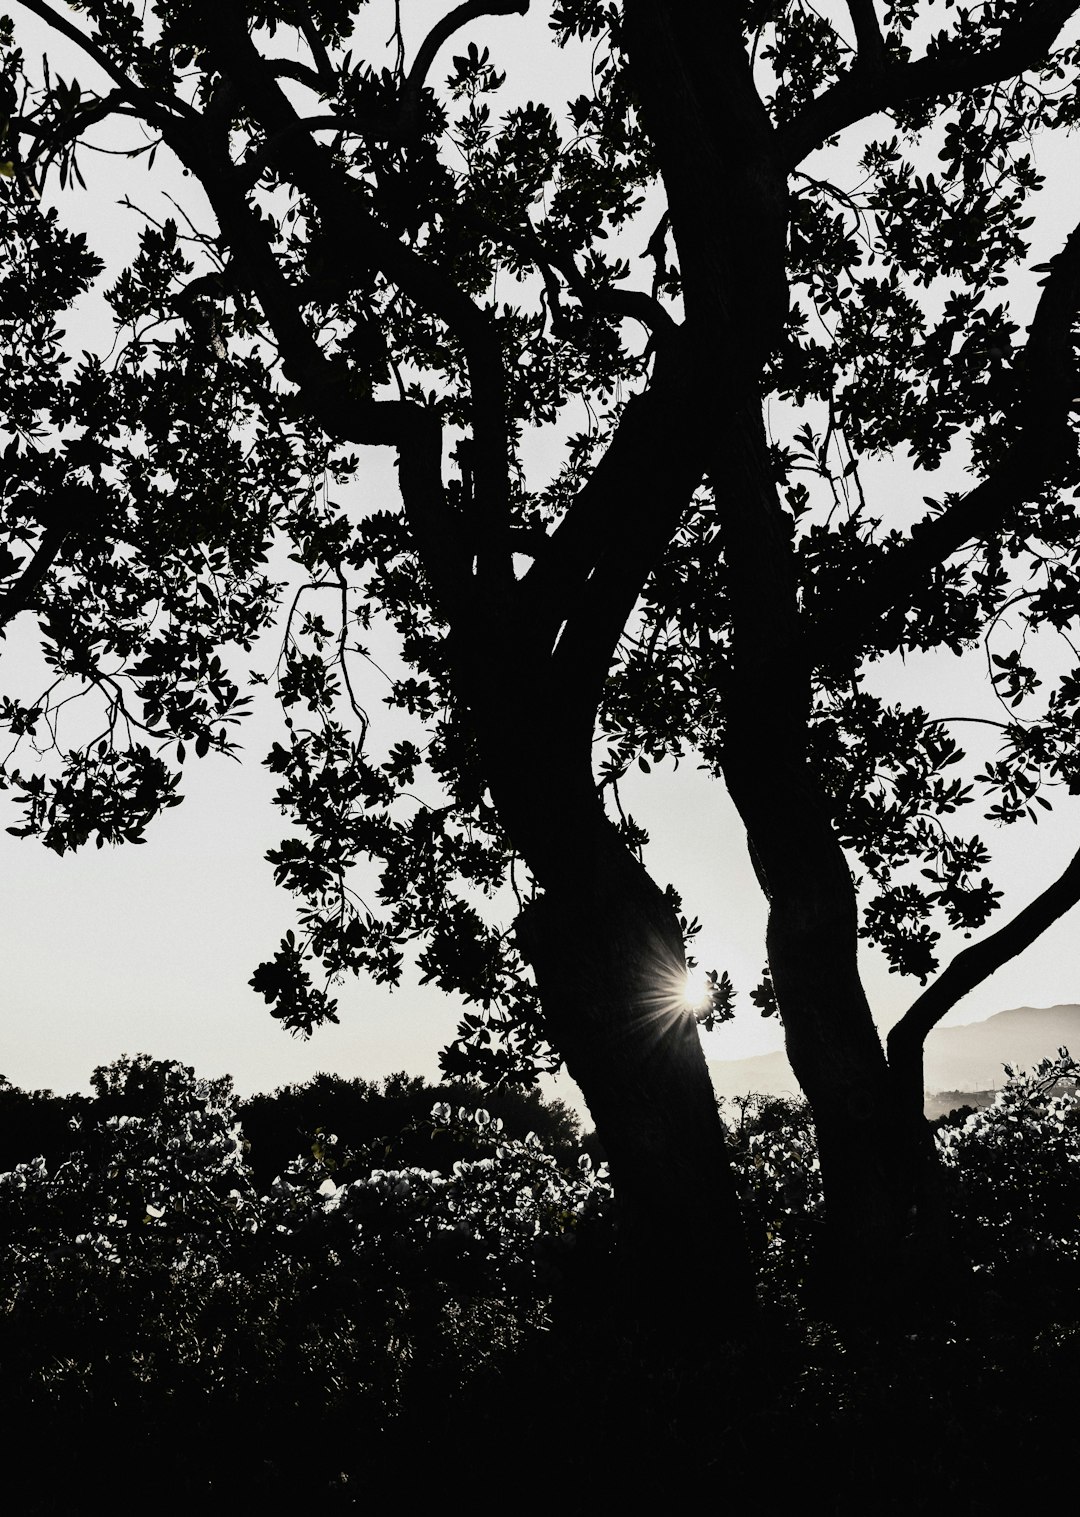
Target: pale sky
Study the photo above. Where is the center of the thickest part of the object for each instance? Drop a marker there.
(148, 949)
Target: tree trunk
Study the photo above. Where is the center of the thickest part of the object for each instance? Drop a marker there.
(608, 957)
(887, 1255)
(697, 86)
(838, 1060)
(606, 948)
(832, 1043)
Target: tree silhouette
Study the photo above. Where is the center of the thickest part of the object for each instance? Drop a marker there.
(393, 252)
(391, 1119)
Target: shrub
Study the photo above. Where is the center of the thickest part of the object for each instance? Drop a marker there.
(1016, 1168)
(149, 1257)
(774, 1155)
(393, 1113)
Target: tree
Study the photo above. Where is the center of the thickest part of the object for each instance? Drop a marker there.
(34, 1122)
(346, 287)
(390, 1119)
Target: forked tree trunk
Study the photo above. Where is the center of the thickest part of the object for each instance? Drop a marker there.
(608, 957)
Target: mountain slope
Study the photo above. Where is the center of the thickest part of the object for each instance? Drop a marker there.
(964, 1058)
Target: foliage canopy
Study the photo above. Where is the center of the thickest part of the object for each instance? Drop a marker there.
(640, 356)
(467, 253)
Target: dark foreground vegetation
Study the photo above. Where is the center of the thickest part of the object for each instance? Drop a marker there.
(418, 1302)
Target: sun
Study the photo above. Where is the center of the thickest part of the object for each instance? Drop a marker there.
(696, 990)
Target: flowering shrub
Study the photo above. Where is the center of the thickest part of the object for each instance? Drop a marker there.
(1016, 1166)
(113, 1258)
(365, 1114)
(148, 1256)
(440, 1266)
(774, 1155)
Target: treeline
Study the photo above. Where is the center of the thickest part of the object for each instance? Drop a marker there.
(351, 1293)
(283, 1125)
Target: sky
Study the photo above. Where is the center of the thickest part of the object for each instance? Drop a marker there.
(149, 949)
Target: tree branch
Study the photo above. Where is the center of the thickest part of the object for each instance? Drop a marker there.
(443, 30)
(581, 658)
(1045, 444)
(302, 73)
(365, 244)
(970, 968)
(635, 305)
(325, 391)
(690, 69)
(870, 42)
(1023, 43)
(582, 587)
(70, 510)
(387, 125)
(22, 592)
(260, 157)
(147, 101)
(326, 75)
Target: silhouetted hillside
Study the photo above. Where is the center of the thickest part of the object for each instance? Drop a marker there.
(960, 1060)
(943, 1103)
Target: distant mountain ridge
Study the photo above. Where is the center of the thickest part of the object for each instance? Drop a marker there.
(960, 1059)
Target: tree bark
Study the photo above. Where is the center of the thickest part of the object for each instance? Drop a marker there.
(697, 87)
(605, 946)
(866, 1160)
(868, 1164)
(607, 953)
